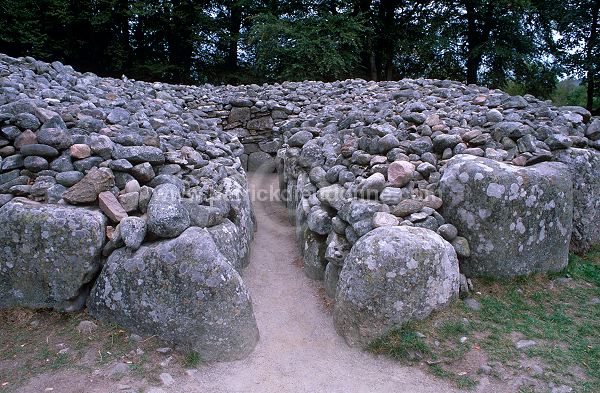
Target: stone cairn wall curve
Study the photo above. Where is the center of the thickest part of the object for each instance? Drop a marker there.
(511, 184)
(125, 196)
(131, 197)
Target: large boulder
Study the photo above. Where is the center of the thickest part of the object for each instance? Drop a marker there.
(393, 275)
(517, 220)
(182, 290)
(585, 169)
(49, 254)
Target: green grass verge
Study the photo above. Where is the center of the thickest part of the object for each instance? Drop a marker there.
(560, 311)
(192, 359)
(37, 342)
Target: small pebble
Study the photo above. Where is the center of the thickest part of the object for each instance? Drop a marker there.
(522, 344)
(166, 379)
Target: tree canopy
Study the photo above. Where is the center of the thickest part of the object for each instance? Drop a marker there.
(524, 46)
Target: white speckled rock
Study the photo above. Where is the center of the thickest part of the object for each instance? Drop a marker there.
(226, 237)
(393, 275)
(517, 220)
(182, 290)
(382, 219)
(585, 169)
(48, 255)
(166, 215)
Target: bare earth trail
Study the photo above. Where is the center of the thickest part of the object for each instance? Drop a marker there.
(299, 350)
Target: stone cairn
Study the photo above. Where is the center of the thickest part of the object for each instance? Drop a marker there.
(131, 197)
(395, 186)
(117, 194)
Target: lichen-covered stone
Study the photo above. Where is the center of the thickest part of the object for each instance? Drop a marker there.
(319, 221)
(226, 237)
(585, 169)
(393, 275)
(139, 154)
(49, 254)
(314, 255)
(517, 220)
(332, 276)
(241, 214)
(167, 217)
(182, 290)
(133, 231)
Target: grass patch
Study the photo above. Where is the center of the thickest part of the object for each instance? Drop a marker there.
(192, 359)
(461, 381)
(401, 343)
(559, 311)
(43, 341)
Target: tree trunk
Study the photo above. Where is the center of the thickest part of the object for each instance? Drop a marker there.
(390, 24)
(372, 67)
(590, 61)
(363, 8)
(385, 39)
(180, 40)
(473, 42)
(124, 37)
(235, 25)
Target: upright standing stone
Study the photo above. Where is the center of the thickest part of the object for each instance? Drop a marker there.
(517, 220)
(393, 275)
(49, 254)
(314, 255)
(585, 168)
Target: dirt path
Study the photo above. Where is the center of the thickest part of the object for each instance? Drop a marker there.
(299, 350)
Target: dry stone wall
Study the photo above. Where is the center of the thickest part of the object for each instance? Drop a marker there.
(399, 191)
(510, 183)
(116, 193)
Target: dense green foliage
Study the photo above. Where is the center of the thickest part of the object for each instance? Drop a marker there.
(524, 46)
(294, 50)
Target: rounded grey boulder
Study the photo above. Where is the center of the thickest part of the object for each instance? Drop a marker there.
(393, 275)
(182, 290)
(167, 217)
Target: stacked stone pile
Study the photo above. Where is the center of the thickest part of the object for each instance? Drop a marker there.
(508, 182)
(119, 176)
(131, 197)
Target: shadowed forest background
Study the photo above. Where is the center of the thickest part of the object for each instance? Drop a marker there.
(546, 48)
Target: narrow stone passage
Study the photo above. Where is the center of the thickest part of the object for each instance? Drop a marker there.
(299, 350)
